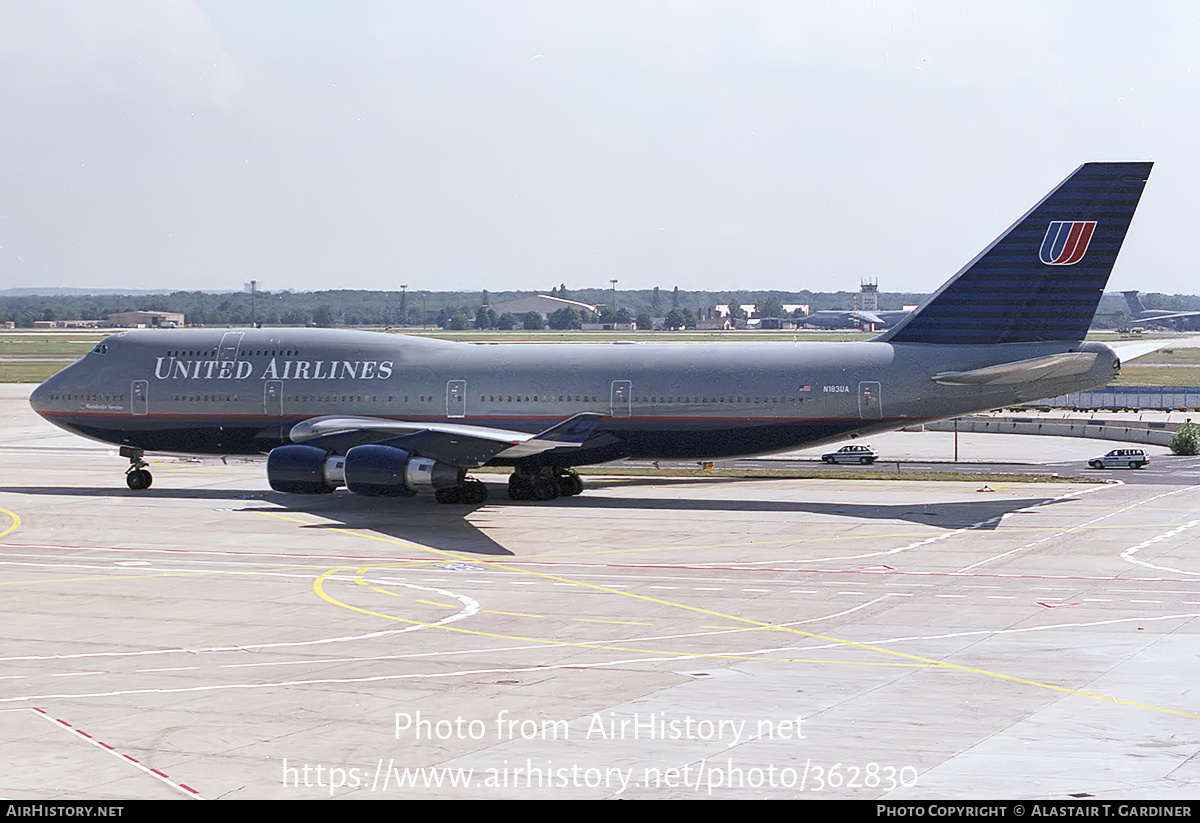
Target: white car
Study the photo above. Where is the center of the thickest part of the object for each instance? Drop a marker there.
(852, 454)
(1121, 459)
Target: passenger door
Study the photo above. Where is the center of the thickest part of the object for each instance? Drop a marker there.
(230, 341)
(456, 398)
(621, 398)
(870, 403)
(273, 398)
(139, 397)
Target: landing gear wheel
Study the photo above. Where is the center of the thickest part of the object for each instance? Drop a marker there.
(136, 476)
(520, 487)
(569, 484)
(544, 484)
(544, 489)
(472, 492)
(138, 479)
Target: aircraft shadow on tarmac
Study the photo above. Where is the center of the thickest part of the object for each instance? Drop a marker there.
(427, 523)
(986, 511)
(422, 521)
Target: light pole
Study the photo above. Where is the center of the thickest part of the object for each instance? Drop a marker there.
(614, 300)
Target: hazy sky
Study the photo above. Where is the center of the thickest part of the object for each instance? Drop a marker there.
(518, 145)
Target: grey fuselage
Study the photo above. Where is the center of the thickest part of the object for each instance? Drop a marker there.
(241, 391)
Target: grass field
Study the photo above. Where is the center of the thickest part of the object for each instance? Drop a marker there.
(23, 372)
(1170, 367)
(41, 344)
(1144, 374)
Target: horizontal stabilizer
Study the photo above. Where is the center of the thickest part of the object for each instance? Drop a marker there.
(1021, 371)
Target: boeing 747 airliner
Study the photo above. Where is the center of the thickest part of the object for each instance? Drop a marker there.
(389, 415)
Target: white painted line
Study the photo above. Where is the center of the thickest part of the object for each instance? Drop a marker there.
(185, 789)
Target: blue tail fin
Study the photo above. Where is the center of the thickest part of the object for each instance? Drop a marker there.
(1042, 279)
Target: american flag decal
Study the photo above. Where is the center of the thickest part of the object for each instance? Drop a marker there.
(1066, 241)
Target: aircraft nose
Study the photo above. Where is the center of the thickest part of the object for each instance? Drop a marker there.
(39, 398)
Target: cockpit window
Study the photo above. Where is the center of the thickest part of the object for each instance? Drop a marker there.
(101, 348)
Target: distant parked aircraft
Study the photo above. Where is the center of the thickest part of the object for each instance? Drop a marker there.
(1178, 320)
(878, 320)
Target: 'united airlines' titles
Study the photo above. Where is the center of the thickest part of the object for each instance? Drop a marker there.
(172, 368)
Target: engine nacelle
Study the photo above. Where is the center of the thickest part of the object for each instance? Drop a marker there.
(385, 471)
(299, 469)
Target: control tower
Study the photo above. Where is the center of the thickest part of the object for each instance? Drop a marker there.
(867, 298)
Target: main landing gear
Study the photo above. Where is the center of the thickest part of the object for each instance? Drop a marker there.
(471, 492)
(136, 476)
(545, 484)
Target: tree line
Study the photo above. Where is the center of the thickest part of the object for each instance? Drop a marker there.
(417, 308)
(401, 308)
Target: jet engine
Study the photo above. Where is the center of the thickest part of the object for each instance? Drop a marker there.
(299, 469)
(385, 471)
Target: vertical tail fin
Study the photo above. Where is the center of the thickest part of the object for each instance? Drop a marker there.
(1134, 302)
(1042, 279)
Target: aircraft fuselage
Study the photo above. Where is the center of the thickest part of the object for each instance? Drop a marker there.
(242, 391)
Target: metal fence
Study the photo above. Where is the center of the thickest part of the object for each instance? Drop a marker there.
(1129, 397)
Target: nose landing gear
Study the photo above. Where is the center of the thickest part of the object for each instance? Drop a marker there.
(136, 476)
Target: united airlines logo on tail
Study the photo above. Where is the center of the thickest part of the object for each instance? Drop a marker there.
(1066, 241)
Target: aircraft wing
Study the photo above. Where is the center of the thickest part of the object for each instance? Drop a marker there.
(867, 317)
(1175, 315)
(458, 444)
